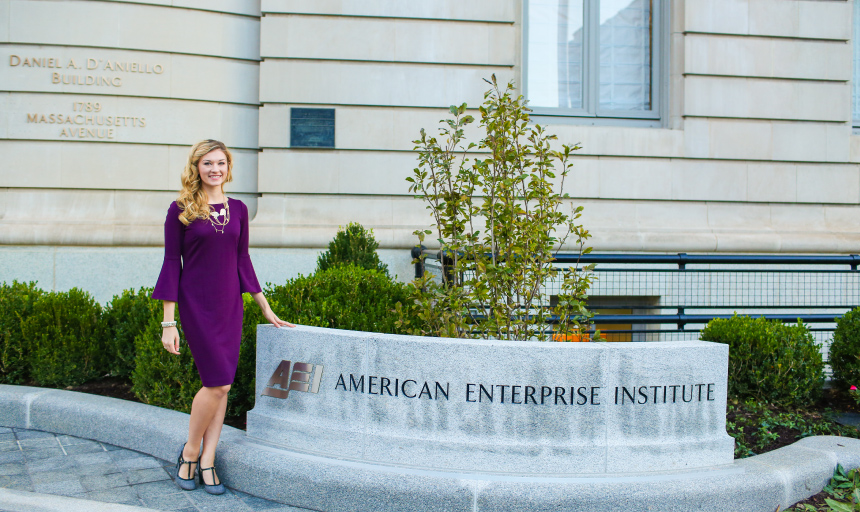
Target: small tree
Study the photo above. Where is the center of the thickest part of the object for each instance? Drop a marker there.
(499, 221)
(353, 245)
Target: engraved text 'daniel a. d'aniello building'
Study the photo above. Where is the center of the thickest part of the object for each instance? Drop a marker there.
(95, 116)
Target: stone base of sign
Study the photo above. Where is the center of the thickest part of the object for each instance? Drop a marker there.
(498, 407)
(328, 484)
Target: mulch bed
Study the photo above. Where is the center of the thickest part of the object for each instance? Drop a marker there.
(832, 400)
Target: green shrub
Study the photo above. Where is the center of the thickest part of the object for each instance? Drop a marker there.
(126, 316)
(342, 297)
(159, 377)
(769, 360)
(66, 343)
(352, 245)
(845, 350)
(16, 304)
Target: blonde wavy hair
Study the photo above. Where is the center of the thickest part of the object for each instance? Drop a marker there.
(193, 200)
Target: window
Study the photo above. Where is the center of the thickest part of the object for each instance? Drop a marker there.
(593, 58)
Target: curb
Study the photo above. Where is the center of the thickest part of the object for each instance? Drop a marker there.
(25, 501)
(763, 482)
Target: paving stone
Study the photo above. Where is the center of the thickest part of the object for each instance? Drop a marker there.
(50, 464)
(199, 496)
(5, 438)
(47, 477)
(140, 476)
(83, 448)
(38, 443)
(12, 469)
(100, 482)
(256, 503)
(19, 482)
(63, 488)
(6, 430)
(83, 459)
(171, 470)
(16, 456)
(138, 463)
(124, 454)
(177, 501)
(160, 488)
(110, 447)
(9, 446)
(213, 503)
(44, 453)
(124, 495)
(97, 469)
(22, 434)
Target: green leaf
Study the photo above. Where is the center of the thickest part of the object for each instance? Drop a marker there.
(838, 506)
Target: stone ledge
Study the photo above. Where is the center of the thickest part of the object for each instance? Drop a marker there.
(763, 482)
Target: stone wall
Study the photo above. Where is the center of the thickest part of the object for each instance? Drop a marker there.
(754, 153)
(100, 102)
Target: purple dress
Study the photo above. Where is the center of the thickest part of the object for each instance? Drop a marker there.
(205, 272)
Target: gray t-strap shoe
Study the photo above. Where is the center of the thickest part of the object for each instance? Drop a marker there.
(187, 484)
(217, 488)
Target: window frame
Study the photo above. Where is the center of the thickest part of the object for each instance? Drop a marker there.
(592, 113)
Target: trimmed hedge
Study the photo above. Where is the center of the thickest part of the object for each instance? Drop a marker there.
(845, 350)
(769, 360)
(16, 303)
(65, 340)
(341, 297)
(159, 377)
(125, 316)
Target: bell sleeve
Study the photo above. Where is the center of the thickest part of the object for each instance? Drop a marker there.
(167, 286)
(247, 277)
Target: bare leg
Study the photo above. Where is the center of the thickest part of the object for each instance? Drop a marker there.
(210, 443)
(204, 410)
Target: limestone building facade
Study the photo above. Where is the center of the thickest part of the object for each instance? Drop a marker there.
(705, 125)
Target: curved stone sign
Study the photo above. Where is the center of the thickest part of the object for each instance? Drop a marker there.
(492, 406)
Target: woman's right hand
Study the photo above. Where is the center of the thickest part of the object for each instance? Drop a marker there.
(170, 339)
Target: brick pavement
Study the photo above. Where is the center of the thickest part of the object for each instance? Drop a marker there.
(47, 463)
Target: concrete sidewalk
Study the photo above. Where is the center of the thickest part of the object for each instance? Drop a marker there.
(42, 471)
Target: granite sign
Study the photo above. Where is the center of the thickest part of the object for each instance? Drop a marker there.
(492, 406)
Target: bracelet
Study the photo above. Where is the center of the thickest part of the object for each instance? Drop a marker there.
(168, 324)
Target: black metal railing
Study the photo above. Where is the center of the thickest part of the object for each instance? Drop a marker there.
(661, 297)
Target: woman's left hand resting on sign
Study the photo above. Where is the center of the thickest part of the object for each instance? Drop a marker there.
(270, 315)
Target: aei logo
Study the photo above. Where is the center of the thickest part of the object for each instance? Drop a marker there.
(304, 377)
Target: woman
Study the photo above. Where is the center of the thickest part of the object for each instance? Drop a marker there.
(206, 269)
